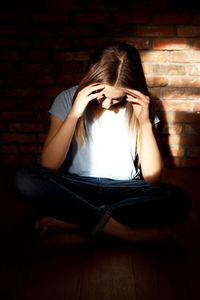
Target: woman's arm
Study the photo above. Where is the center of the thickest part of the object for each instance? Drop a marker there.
(58, 141)
(150, 157)
(60, 134)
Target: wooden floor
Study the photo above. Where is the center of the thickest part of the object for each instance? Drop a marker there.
(73, 266)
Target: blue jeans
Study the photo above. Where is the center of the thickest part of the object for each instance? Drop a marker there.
(89, 202)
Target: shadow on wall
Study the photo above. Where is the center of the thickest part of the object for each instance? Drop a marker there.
(178, 136)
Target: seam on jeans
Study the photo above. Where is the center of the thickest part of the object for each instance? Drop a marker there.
(101, 223)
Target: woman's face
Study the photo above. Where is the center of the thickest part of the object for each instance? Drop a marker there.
(111, 96)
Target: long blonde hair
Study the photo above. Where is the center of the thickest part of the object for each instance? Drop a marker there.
(116, 64)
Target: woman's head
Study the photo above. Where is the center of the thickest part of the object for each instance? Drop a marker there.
(116, 64)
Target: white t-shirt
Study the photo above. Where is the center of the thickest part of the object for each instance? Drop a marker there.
(110, 150)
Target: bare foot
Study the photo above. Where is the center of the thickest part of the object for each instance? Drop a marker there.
(48, 223)
(142, 236)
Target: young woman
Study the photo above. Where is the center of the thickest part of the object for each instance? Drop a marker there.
(101, 165)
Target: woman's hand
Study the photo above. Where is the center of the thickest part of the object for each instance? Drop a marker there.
(86, 95)
(140, 104)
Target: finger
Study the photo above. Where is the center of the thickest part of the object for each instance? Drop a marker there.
(95, 87)
(138, 94)
(142, 98)
(137, 100)
(95, 95)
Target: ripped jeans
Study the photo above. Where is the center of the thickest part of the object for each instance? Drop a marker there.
(89, 202)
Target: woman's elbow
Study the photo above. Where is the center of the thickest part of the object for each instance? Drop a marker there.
(153, 178)
(49, 164)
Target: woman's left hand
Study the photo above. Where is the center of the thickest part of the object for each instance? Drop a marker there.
(140, 103)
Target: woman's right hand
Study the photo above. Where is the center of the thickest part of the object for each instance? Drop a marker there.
(86, 95)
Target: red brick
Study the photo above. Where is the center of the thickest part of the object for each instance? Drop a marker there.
(42, 115)
(18, 137)
(188, 31)
(172, 162)
(166, 139)
(155, 31)
(69, 67)
(70, 80)
(30, 148)
(42, 137)
(91, 18)
(168, 151)
(184, 57)
(153, 56)
(171, 18)
(194, 70)
(168, 69)
(156, 81)
(83, 43)
(9, 55)
(138, 43)
(17, 81)
(28, 158)
(154, 93)
(63, 4)
(7, 67)
(23, 43)
(187, 140)
(89, 43)
(26, 127)
(16, 17)
(46, 80)
(3, 126)
(146, 68)
(51, 18)
(36, 67)
(128, 5)
(7, 30)
(7, 105)
(70, 56)
(53, 91)
(170, 44)
(172, 129)
(114, 31)
(193, 152)
(192, 129)
(10, 159)
(185, 82)
(8, 42)
(37, 31)
(131, 17)
(9, 148)
(39, 55)
(176, 151)
(16, 115)
(185, 117)
(177, 106)
(104, 5)
(196, 45)
(23, 92)
(196, 19)
(180, 94)
(196, 108)
(73, 30)
(191, 162)
(51, 43)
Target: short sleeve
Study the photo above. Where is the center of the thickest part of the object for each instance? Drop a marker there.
(63, 103)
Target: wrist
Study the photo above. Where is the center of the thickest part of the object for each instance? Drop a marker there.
(146, 125)
(73, 115)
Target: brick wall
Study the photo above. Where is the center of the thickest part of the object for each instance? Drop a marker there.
(44, 46)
